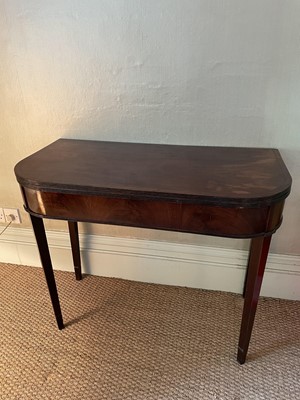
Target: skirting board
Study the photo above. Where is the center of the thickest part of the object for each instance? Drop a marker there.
(157, 262)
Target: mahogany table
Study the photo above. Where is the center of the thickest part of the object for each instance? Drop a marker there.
(222, 191)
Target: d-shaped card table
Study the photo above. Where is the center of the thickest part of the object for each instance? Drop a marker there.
(222, 191)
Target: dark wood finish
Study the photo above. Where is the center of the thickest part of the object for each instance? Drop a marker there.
(257, 262)
(246, 274)
(205, 219)
(73, 230)
(222, 191)
(41, 239)
(225, 176)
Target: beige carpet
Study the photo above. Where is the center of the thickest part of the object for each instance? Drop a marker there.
(129, 340)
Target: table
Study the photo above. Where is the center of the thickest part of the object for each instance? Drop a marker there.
(222, 191)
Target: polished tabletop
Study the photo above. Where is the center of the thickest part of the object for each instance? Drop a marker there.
(229, 176)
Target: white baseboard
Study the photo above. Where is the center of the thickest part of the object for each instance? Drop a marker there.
(157, 262)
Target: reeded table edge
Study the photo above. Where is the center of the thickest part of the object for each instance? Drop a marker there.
(159, 196)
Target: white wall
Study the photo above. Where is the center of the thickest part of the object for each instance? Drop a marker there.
(205, 72)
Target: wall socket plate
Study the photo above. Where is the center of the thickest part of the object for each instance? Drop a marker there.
(2, 217)
(12, 215)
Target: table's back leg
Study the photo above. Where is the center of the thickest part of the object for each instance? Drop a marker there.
(74, 238)
(41, 239)
(246, 275)
(257, 262)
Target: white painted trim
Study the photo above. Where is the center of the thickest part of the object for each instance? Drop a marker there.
(154, 261)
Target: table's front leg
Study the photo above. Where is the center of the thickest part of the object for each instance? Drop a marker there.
(41, 239)
(74, 238)
(257, 261)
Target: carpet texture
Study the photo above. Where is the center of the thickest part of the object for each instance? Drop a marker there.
(130, 340)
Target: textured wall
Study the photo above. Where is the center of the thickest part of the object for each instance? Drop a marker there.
(170, 71)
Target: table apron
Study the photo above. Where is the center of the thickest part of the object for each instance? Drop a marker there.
(156, 214)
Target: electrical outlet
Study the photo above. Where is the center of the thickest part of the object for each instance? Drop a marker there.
(2, 217)
(12, 215)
